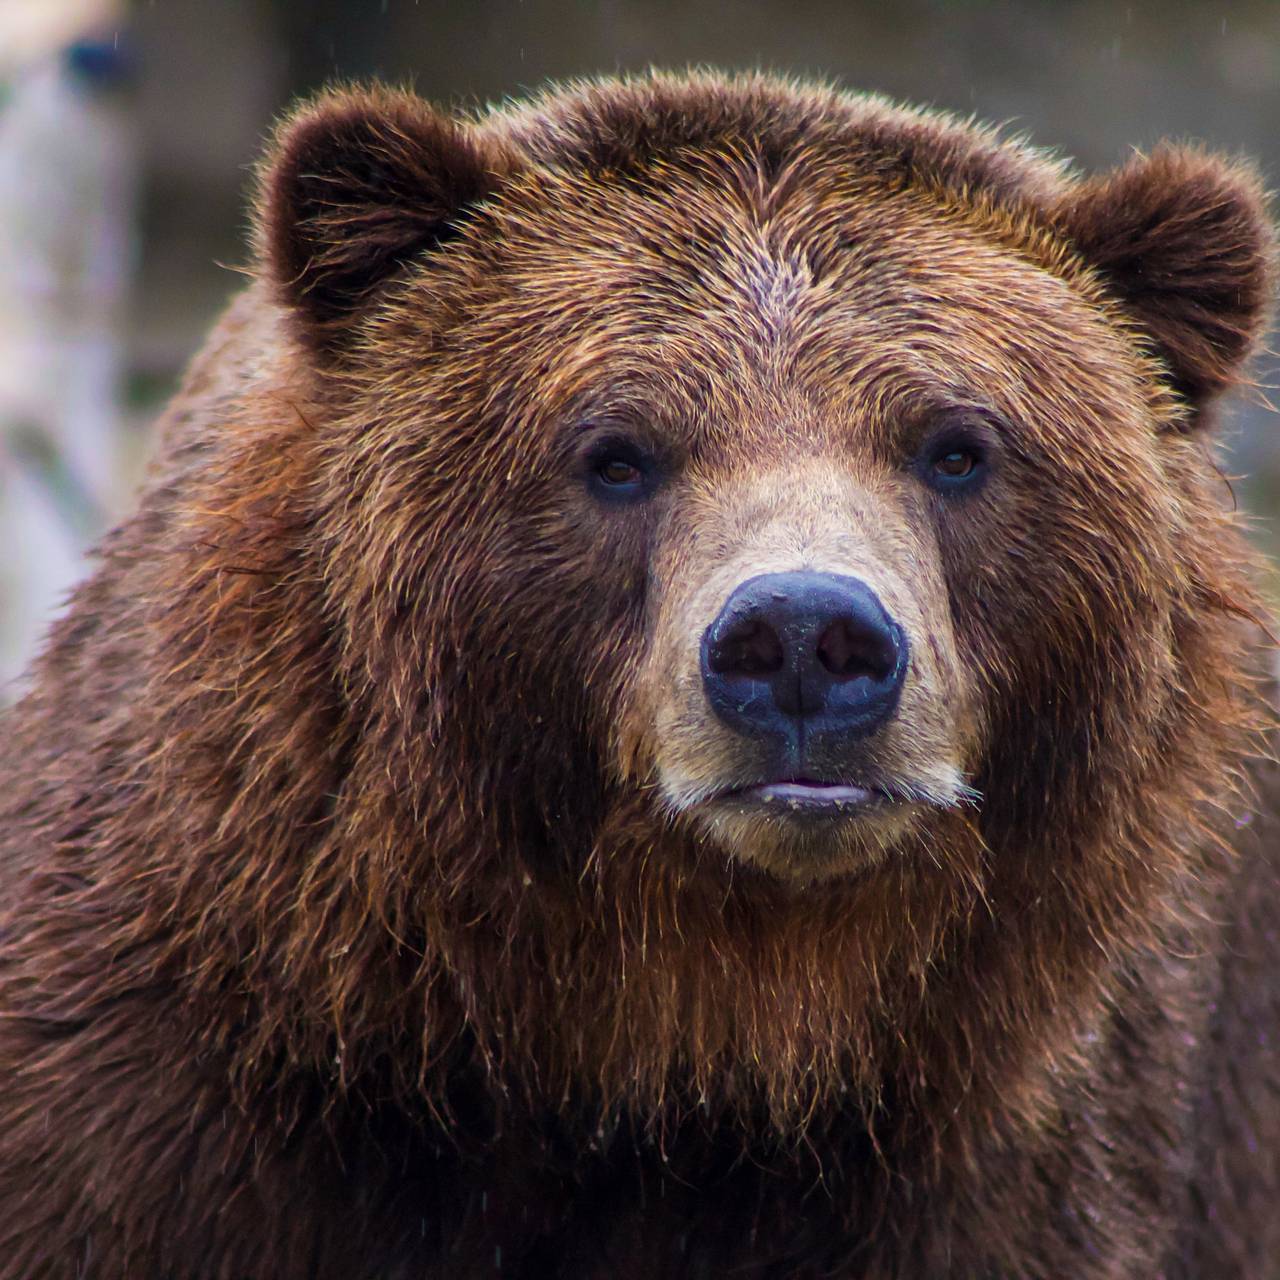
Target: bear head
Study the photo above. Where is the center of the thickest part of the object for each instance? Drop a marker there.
(777, 574)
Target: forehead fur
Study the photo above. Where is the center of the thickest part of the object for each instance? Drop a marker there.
(616, 126)
(362, 184)
(778, 141)
(790, 134)
(709, 288)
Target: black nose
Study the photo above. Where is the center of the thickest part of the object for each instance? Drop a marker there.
(803, 655)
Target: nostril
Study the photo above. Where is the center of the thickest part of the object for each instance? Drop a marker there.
(751, 648)
(848, 650)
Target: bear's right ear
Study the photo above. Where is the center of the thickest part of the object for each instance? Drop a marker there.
(356, 184)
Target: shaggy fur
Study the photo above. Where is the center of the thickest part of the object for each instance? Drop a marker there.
(366, 906)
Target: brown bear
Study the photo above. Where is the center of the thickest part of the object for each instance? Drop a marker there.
(684, 699)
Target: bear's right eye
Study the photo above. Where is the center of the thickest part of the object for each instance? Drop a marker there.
(617, 470)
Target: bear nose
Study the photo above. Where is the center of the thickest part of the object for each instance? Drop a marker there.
(791, 651)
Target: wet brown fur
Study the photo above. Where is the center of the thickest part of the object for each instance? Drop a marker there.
(353, 924)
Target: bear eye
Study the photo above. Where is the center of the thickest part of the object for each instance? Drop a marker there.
(619, 471)
(955, 461)
(955, 464)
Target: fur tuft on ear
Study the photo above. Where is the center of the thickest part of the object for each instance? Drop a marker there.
(356, 183)
(1183, 239)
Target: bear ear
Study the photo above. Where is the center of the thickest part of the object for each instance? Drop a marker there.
(357, 183)
(1184, 242)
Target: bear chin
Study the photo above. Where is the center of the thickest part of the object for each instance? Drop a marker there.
(803, 830)
(801, 837)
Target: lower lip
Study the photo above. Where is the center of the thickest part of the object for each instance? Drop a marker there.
(808, 797)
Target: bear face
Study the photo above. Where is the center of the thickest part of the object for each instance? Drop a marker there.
(575, 381)
(778, 359)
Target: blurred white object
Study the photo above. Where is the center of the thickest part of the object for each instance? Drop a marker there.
(68, 174)
(31, 30)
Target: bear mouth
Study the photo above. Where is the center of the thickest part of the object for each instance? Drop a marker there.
(806, 796)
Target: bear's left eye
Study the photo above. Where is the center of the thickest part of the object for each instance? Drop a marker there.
(956, 461)
(955, 464)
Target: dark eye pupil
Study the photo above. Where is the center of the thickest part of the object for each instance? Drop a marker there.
(959, 462)
(616, 471)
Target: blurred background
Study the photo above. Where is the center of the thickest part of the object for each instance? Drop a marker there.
(127, 133)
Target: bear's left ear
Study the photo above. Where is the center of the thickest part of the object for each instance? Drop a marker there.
(356, 184)
(1184, 242)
